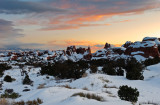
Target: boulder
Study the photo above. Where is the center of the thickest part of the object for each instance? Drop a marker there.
(144, 48)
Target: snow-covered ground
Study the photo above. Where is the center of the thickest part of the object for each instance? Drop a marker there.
(55, 92)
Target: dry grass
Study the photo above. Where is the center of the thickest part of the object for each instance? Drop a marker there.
(34, 102)
(104, 80)
(84, 75)
(67, 86)
(85, 88)
(105, 86)
(108, 92)
(148, 103)
(89, 96)
(41, 86)
(5, 101)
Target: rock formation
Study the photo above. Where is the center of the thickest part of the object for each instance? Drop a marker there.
(128, 43)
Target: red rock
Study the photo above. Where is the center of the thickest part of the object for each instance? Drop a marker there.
(70, 50)
(89, 54)
(118, 50)
(87, 57)
(107, 46)
(14, 57)
(128, 43)
(39, 53)
(80, 50)
(149, 49)
(149, 39)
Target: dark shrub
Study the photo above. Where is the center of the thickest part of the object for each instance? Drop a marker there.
(89, 96)
(9, 91)
(128, 93)
(120, 63)
(93, 68)
(27, 80)
(3, 67)
(119, 71)
(134, 69)
(8, 78)
(134, 75)
(109, 68)
(153, 61)
(25, 90)
(65, 70)
(99, 62)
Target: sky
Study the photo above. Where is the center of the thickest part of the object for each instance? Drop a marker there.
(56, 24)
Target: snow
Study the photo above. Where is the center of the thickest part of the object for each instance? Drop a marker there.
(137, 52)
(55, 93)
(122, 48)
(155, 39)
(143, 44)
(139, 57)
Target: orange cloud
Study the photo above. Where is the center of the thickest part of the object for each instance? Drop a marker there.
(70, 26)
(61, 44)
(86, 15)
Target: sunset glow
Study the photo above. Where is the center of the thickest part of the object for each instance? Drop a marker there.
(56, 24)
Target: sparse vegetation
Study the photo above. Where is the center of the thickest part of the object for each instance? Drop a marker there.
(41, 86)
(148, 103)
(67, 86)
(12, 95)
(85, 88)
(89, 96)
(34, 102)
(4, 101)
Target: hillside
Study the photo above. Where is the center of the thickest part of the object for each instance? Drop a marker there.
(59, 92)
(77, 76)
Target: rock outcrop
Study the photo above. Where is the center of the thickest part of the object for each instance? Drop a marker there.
(118, 50)
(109, 51)
(86, 53)
(70, 50)
(146, 48)
(107, 45)
(128, 43)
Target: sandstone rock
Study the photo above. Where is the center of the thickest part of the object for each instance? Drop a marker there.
(70, 50)
(118, 50)
(155, 39)
(80, 50)
(83, 51)
(128, 43)
(107, 45)
(149, 48)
